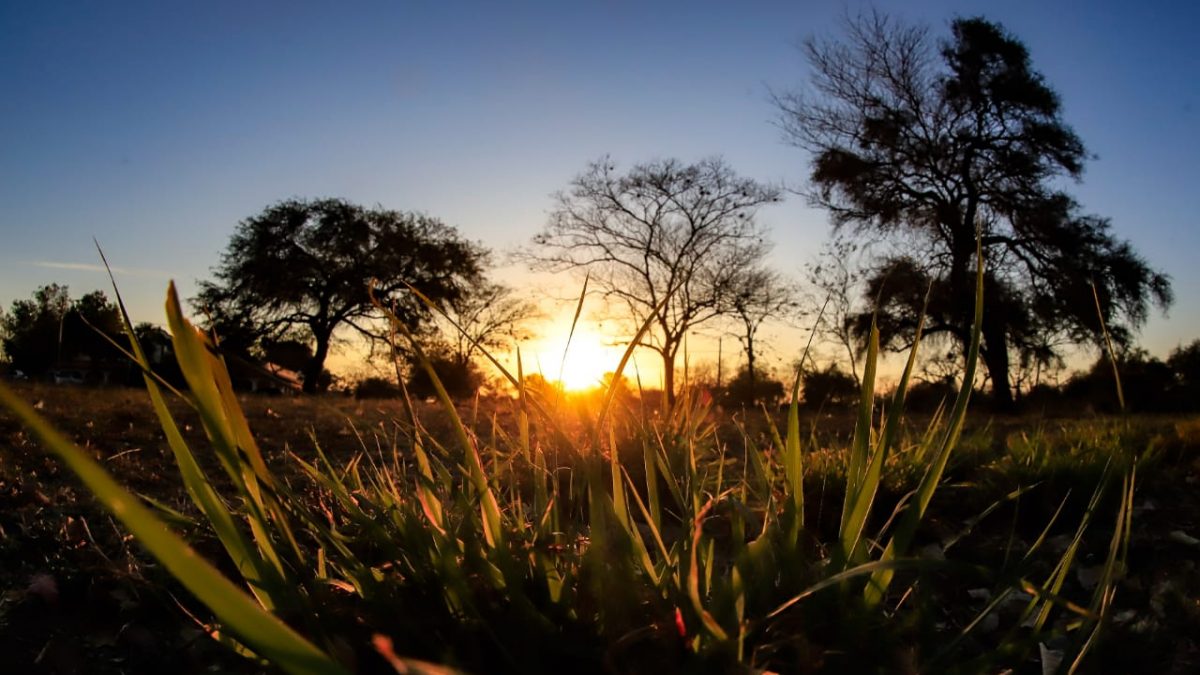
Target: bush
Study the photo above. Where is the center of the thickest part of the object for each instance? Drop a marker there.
(927, 395)
(461, 380)
(376, 387)
(1149, 385)
(829, 387)
(763, 389)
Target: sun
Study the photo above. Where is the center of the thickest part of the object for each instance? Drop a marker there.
(589, 356)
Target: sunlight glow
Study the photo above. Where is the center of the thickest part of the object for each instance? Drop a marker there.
(589, 356)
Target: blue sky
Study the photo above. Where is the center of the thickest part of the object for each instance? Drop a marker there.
(155, 127)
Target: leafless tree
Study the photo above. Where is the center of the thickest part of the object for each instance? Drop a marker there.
(664, 232)
(834, 281)
(489, 317)
(761, 295)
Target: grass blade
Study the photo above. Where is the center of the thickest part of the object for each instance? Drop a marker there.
(257, 627)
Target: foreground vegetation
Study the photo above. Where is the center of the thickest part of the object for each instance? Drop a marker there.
(541, 535)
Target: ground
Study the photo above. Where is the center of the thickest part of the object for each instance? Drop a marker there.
(78, 596)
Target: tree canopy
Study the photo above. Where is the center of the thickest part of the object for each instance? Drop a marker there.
(663, 231)
(300, 270)
(929, 145)
(51, 330)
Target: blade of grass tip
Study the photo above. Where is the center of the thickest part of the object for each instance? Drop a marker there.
(618, 493)
(655, 531)
(972, 625)
(131, 355)
(562, 365)
(1112, 354)
(430, 504)
(1045, 531)
(1061, 570)
(907, 527)
(651, 469)
(522, 410)
(975, 520)
(260, 629)
(640, 552)
(873, 567)
(191, 351)
(860, 444)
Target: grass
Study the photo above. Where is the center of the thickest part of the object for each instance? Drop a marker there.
(544, 535)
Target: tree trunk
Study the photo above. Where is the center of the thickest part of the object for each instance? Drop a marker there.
(668, 355)
(316, 365)
(750, 366)
(995, 357)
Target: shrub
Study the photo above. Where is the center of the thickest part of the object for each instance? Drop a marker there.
(376, 387)
(830, 387)
(764, 389)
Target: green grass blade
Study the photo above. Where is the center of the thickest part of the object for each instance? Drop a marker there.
(793, 463)
(862, 480)
(259, 576)
(851, 535)
(907, 527)
(693, 579)
(489, 506)
(860, 445)
(257, 627)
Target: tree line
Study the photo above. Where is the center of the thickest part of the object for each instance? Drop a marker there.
(927, 153)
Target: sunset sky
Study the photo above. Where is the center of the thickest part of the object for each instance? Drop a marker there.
(154, 127)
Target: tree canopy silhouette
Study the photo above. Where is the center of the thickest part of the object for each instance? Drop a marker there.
(927, 146)
(51, 329)
(300, 270)
(664, 227)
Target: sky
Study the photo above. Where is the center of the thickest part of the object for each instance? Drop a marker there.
(155, 127)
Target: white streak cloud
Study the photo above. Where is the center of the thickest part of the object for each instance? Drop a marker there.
(89, 267)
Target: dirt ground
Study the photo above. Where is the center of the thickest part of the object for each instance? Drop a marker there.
(78, 596)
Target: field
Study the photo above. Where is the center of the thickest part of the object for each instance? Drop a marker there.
(82, 596)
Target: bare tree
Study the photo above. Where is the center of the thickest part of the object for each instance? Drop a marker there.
(663, 232)
(762, 294)
(835, 282)
(488, 317)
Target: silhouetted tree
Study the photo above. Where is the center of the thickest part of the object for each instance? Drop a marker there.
(51, 329)
(488, 316)
(302, 268)
(1185, 364)
(835, 280)
(828, 387)
(761, 294)
(376, 387)
(746, 388)
(1147, 384)
(929, 147)
(662, 228)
